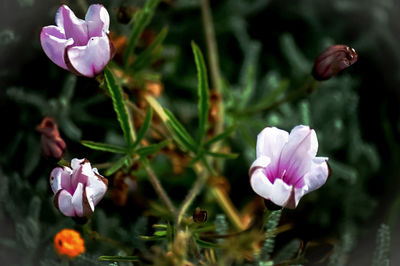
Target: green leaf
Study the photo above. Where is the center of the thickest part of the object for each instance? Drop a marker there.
(103, 147)
(203, 92)
(145, 126)
(152, 148)
(116, 166)
(160, 233)
(119, 106)
(223, 155)
(206, 244)
(152, 238)
(119, 258)
(147, 56)
(221, 136)
(245, 95)
(273, 96)
(142, 19)
(179, 133)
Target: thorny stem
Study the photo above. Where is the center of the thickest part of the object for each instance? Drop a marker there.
(202, 176)
(159, 189)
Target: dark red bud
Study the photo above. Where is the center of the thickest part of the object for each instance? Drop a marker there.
(199, 216)
(51, 144)
(333, 60)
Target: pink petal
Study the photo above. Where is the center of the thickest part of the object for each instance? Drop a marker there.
(97, 185)
(74, 27)
(98, 20)
(82, 170)
(278, 192)
(318, 174)
(270, 142)
(63, 202)
(260, 162)
(60, 178)
(91, 59)
(296, 156)
(54, 42)
(77, 200)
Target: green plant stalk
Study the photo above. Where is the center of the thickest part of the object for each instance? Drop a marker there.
(96, 236)
(212, 53)
(202, 176)
(159, 189)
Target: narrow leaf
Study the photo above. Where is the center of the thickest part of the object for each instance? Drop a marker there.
(179, 133)
(152, 148)
(145, 126)
(202, 90)
(221, 136)
(116, 166)
(148, 56)
(103, 146)
(142, 19)
(119, 106)
(223, 155)
(119, 258)
(206, 244)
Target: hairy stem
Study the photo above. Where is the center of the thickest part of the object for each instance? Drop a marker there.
(159, 189)
(202, 176)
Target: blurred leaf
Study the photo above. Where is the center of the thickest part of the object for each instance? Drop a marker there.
(203, 92)
(221, 136)
(119, 258)
(119, 107)
(142, 19)
(381, 253)
(34, 208)
(223, 155)
(147, 56)
(152, 148)
(179, 133)
(103, 147)
(145, 126)
(117, 165)
(206, 244)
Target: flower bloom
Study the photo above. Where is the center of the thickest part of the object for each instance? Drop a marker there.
(69, 242)
(77, 189)
(51, 144)
(333, 60)
(80, 46)
(286, 167)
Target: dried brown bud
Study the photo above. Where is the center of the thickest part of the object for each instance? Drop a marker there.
(199, 216)
(51, 144)
(332, 61)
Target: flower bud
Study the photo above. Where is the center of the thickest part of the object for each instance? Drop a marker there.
(69, 242)
(51, 144)
(77, 189)
(333, 60)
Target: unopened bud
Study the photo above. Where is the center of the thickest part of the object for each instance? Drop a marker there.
(199, 216)
(51, 144)
(332, 61)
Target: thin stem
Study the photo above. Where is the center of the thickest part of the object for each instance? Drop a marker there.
(96, 236)
(202, 176)
(227, 205)
(159, 189)
(212, 53)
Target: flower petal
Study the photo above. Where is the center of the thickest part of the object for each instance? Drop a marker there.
(318, 174)
(98, 20)
(91, 59)
(278, 192)
(63, 202)
(54, 42)
(296, 156)
(97, 185)
(60, 178)
(262, 161)
(270, 142)
(73, 27)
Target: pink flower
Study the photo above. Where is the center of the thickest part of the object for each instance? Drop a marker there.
(51, 144)
(77, 190)
(80, 46)
(333, 60)
(286, 167)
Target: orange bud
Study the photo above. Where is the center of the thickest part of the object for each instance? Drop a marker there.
(69, 242)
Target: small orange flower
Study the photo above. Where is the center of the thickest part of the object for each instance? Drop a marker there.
(69, 242)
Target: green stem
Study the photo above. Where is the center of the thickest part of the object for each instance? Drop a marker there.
(308, 87)
(96, 236)
(226, 204)
(159, 189)
(202, 176)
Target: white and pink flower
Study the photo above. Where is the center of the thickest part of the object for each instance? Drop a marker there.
(80, 46)
(286, 167)
(77, 189)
